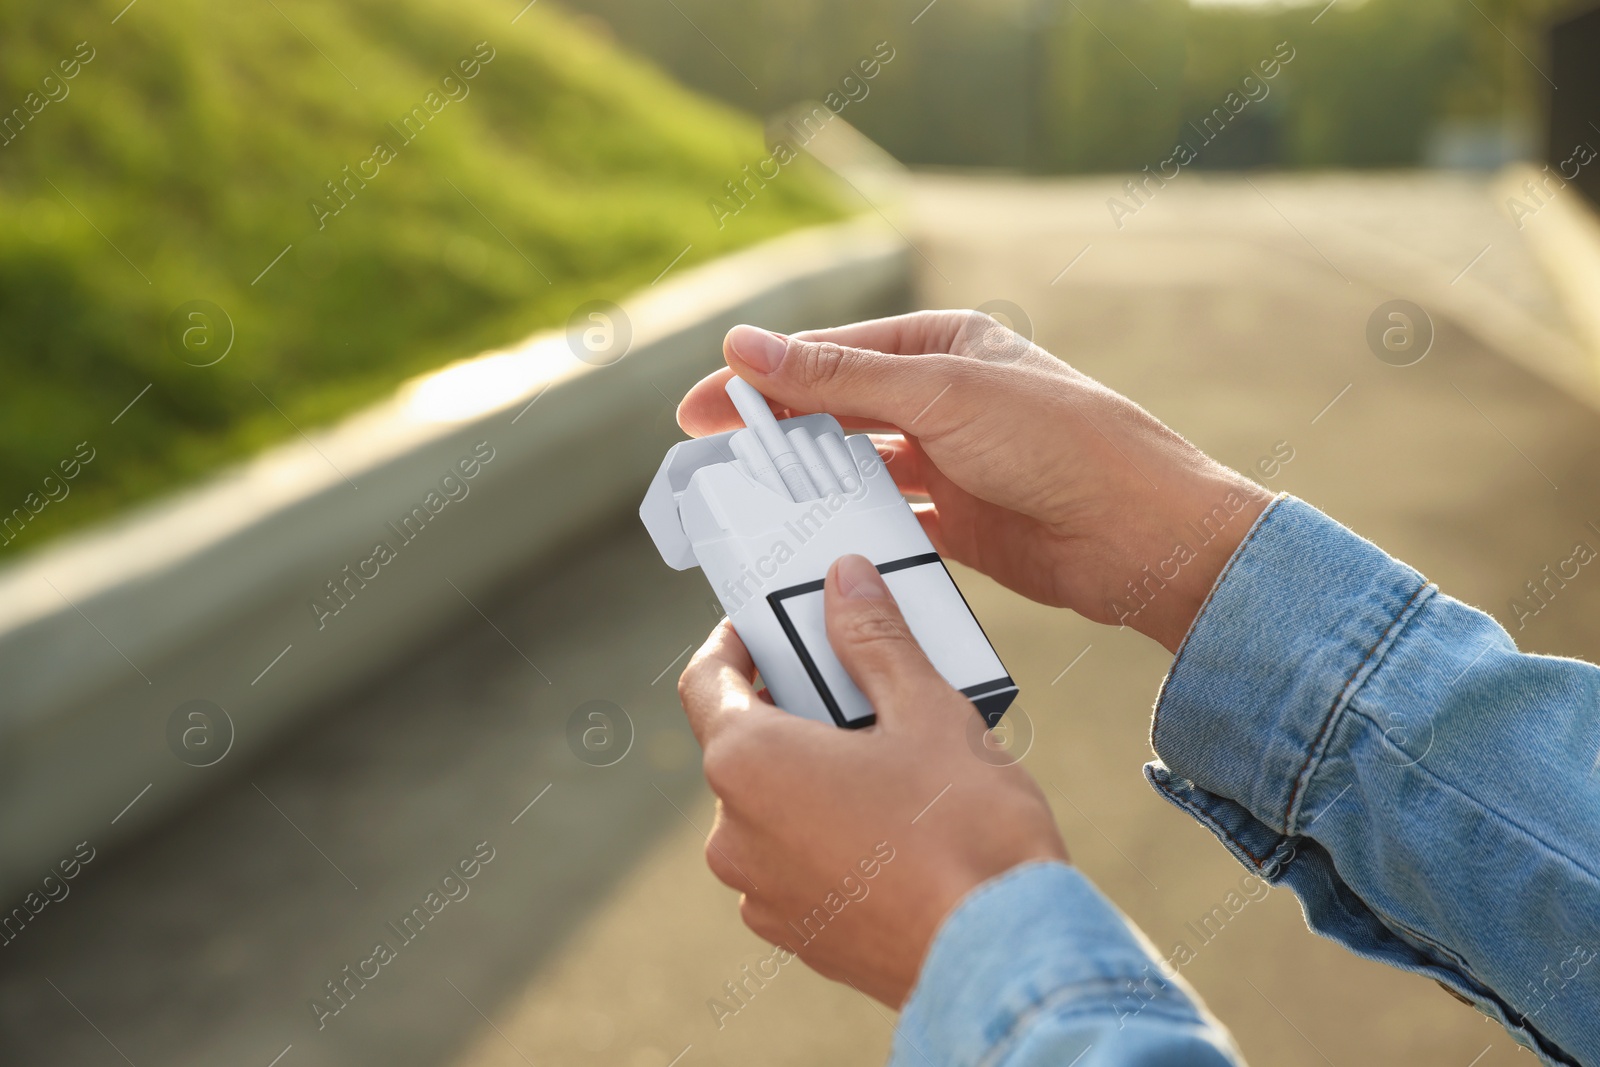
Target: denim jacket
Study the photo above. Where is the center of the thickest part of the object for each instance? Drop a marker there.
(1429, 793)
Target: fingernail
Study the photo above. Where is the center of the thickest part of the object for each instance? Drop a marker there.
(859, 579)
(759, 348)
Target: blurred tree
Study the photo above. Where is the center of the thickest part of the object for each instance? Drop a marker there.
(1085, 85)
(1113, 91)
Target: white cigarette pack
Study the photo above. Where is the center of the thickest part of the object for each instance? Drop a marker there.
(727, 505)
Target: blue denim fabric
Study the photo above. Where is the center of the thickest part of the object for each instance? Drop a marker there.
(1037, 967)
(1429, 793)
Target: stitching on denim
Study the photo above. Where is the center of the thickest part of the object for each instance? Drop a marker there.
(1203, 817)
(1504, 1012)
(1261, 521)
(1343, 697)
(1460, 968)
(1448, 959)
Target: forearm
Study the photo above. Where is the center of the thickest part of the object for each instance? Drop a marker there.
(1386, 752)
(1037, 968)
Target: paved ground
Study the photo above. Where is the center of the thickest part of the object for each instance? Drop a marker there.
(595, 936)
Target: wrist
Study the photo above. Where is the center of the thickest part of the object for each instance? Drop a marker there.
(1198, 535)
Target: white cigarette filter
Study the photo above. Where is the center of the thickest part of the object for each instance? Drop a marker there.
(817, 469)
(834, 451)
(756, 464)
(766, 549)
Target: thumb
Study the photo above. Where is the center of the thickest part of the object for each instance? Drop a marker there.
(894, 390)
(871, 638)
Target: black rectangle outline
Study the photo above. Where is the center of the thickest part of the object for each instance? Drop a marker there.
(775, 601)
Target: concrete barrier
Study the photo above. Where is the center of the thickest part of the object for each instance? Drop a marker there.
(290, 578)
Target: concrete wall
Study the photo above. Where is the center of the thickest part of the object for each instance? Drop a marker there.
(105, 634)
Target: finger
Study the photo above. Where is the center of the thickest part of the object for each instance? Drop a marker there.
(861, 424)
(718, 683)
(725, 853)
(765, 921)
(705, 409)
(904, 462)
(910, 391)
(928, 515)
(873, 641)
(917, 333)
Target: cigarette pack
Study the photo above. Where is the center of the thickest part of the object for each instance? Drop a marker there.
(734, 505)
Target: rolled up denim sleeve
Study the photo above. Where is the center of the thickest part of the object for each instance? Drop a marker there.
(1427, 791)
(1036, 968)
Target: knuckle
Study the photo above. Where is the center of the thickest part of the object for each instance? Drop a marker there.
(729, 759)
(720, 768)
(733, 759)
(821, 363)
(975, 326)
(874, 626)
(690, 681)
(760, 919)
(986, 338)
(719, 863)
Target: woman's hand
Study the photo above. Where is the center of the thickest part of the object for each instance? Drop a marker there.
(1040, 477)
(851, 846)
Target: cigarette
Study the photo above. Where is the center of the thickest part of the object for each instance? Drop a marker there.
(756, 464)
(838, 456)
(752, 408)
(821, 474)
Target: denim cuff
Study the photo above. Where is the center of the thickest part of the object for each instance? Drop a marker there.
(1268, 666)
(1039, 940)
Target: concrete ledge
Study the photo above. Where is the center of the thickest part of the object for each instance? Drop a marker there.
(104, 634)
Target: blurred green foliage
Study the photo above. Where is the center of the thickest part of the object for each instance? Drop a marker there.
(182, 158)
(1068, 86)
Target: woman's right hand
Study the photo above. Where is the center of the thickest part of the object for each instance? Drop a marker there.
(1038, 476)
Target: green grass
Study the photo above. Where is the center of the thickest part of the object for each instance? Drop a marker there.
(184, 158)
